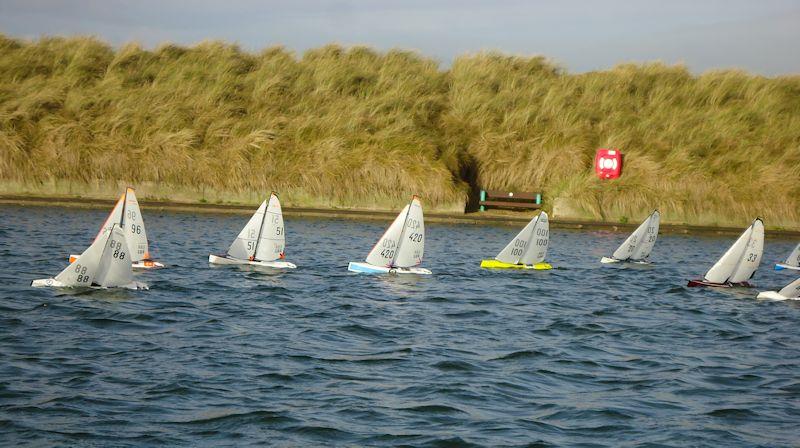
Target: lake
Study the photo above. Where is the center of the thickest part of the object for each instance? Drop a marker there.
(583, 355)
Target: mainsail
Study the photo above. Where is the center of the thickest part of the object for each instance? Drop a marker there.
(403, 243)
(538, 242)
(272, 240)
(792, 290)
(107, 262)
(742, 259)
(514, 250)
(115, 263)
(133, 224)
(127, 215)
(411, 246)
(640, 243)
(244, 246)
(794, 258)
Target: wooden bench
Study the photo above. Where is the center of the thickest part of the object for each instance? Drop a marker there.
(510, 199)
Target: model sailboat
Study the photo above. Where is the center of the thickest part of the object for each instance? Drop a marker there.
(127, 215)
(740, 262)
(639, 244)
(792, 261)
(262, 242)
(107, 263)
(527, 250)
(401, 248)
(789, 292)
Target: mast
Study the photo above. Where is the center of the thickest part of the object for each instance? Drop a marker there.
(124, 203)
(402, 232)
(261, 227)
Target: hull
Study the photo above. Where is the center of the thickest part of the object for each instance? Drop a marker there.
(53, 283)
(701, 283)
(366, 268)
(781, 266)
(495, 264)
(606, 260)
(225, 260)
(773, 295)
(142, 264)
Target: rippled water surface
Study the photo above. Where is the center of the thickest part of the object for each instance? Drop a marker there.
(586, 354)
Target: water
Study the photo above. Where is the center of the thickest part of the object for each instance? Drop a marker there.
(584, 355)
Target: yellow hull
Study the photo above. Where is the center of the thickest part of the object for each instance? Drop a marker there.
(494, 264)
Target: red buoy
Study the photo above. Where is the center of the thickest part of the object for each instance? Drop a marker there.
(608, 163)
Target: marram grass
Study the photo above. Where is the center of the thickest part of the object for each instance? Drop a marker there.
(352, 127)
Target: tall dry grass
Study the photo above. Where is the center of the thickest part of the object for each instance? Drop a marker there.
(719, 148)
(353, 127)
(335, 127)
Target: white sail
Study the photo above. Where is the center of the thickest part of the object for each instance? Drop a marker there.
(640, 243)
(272, 240)
(514, 250)
(84, 269)
(751, 257)
(411, 247)
(538, 242)
(386, 248)
(115, 263)
(133, 223)
(792, 290)
(725, 267)
(244, 246)
(794, 258)
(648, 237)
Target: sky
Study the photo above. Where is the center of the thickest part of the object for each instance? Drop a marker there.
(760, 36)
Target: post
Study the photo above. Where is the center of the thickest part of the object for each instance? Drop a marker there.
(483, 198)
(538, 198)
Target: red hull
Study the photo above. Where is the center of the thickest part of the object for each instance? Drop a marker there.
(699, 283)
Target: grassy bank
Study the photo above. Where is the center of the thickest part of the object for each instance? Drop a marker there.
(339, 127)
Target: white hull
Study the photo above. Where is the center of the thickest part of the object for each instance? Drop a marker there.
(141, 264)
(606, 260)
(366, 268)
(773, 295)
(781, 266)
(217, 259)
(53, 283)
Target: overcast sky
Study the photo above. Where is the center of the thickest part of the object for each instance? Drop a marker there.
(762, 36)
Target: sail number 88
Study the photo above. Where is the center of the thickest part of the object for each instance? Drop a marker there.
(83, 277)
(118, 253)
